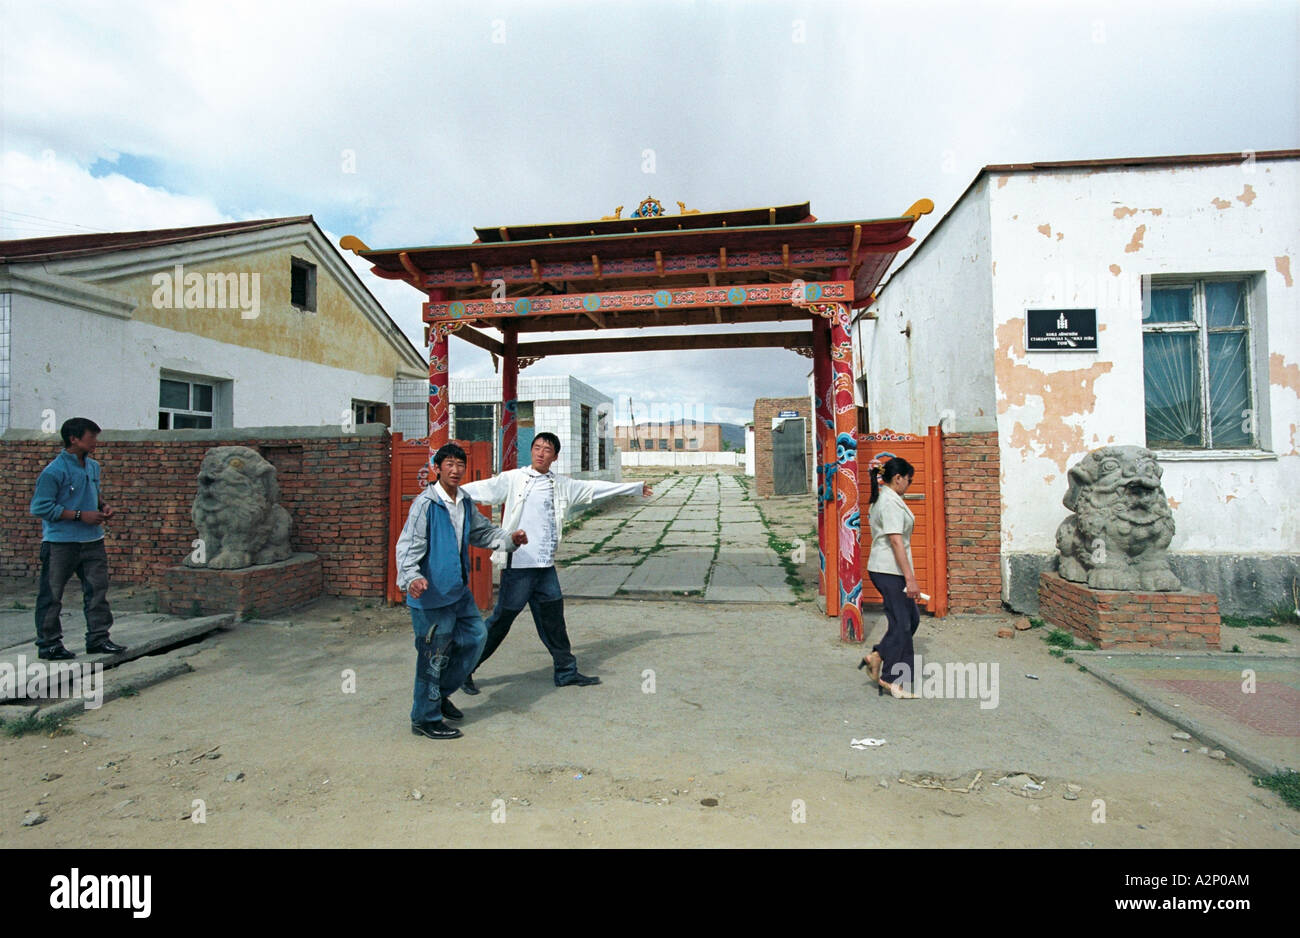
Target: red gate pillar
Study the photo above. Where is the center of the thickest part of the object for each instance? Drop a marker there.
(844, 511)
(823, 422)
(509, 399)
(439, 392)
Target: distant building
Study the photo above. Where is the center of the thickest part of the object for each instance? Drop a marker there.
(243, 324)
(574, 411)
(684, 435)
(783, 446)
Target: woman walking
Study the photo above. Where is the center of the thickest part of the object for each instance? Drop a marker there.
(889, 565)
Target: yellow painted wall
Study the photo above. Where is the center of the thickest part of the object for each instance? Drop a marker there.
(337, 333)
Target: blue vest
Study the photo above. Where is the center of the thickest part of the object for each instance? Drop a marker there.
(444, 567)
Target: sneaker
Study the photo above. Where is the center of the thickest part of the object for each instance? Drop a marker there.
(576, 680)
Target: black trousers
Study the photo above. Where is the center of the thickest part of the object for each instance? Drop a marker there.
(59, 561)
(895, 649)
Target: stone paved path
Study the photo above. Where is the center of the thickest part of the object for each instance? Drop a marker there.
(696, 536)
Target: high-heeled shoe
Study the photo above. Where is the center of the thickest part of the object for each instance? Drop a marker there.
(873, 667)
(895, 691)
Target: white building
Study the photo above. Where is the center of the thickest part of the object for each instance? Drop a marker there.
(577, 413)
(244, 324)
(1187, 264)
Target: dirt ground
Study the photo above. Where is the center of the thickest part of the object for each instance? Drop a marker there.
(754, 708)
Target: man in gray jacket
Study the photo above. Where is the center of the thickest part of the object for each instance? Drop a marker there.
(537, 499)
(433, 570)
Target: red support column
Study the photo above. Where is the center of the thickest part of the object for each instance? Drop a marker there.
(509, 399)
(843, 512)
(824, 424)
(439, 400)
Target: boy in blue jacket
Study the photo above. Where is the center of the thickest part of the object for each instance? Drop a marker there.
(433, 570)
(71, 507)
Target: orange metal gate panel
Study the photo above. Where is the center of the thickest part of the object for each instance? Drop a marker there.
(924, 498)
(407, 480)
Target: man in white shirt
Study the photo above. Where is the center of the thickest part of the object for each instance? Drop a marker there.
(536, 500)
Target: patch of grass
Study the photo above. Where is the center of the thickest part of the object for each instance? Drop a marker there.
(1246, 622)
(249, 614)
(1270, 637)
(47, 725)
(1068, 660)
(1234, 650)
(129, 690)
(18, 604)
(1060, 639)
(1056, 652)
(151, 606)
(196, 609)
(1036, 623)
(1286, 784)
(1082, 668)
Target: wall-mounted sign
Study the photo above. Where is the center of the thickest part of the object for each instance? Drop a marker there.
(788, 413)
(1060, 330)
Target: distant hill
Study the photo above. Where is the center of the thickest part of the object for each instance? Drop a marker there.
(734, 434)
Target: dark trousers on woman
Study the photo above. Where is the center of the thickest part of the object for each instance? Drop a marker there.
(895, 649)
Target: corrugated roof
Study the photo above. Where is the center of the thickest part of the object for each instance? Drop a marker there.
(59, 247)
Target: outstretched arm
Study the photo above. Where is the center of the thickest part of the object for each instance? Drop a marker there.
(491, 491)
(586, 491)
(483, 533)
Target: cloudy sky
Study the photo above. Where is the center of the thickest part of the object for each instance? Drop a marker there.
(409, 123)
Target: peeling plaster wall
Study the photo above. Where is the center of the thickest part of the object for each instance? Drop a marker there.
(944, 292)
(1086, 238)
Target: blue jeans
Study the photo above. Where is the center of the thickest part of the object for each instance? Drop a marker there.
(539, 589)
(448, 642)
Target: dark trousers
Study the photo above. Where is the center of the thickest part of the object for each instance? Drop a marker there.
(448, 641)
(59, 561)
(539, 589)
(895, 649)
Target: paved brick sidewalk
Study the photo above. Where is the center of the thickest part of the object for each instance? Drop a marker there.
(1246, 705)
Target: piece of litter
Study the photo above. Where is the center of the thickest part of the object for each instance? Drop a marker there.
(1032, 677)
(866, 743)
(1033, 786)
(578, 776)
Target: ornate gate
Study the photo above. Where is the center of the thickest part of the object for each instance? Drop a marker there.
(924, 498)
(409, 476)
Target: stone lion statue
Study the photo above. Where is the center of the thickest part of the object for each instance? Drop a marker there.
(1120, 532)
(236, 511)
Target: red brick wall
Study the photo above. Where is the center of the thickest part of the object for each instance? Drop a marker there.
(1130, 620)
(335, 489)
(765, 408)
(972, 512)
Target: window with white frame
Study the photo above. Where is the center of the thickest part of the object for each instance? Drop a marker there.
(1198, 364)
(184, 405)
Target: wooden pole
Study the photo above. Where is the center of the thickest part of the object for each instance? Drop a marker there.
(439, 400)
(824, 424)
(509, 400)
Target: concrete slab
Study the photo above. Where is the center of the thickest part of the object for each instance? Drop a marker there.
(693, 524)
(657, 513)
(593, 580)
(628, 557)
(122, 681)
(738, 514)
(636, 536)
(689, 538)
(752, 532)
(689, 513)
(671, 571)
(141, 632)
(738, 556)
(748, 583)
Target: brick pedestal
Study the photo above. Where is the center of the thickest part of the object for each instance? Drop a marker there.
(1130, 620)
(264, 590)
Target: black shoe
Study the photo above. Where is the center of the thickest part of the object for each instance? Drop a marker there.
(577, 680)
(105, 647)
(470, 687)
(57, 653)
(451, 711)
(435, 730)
